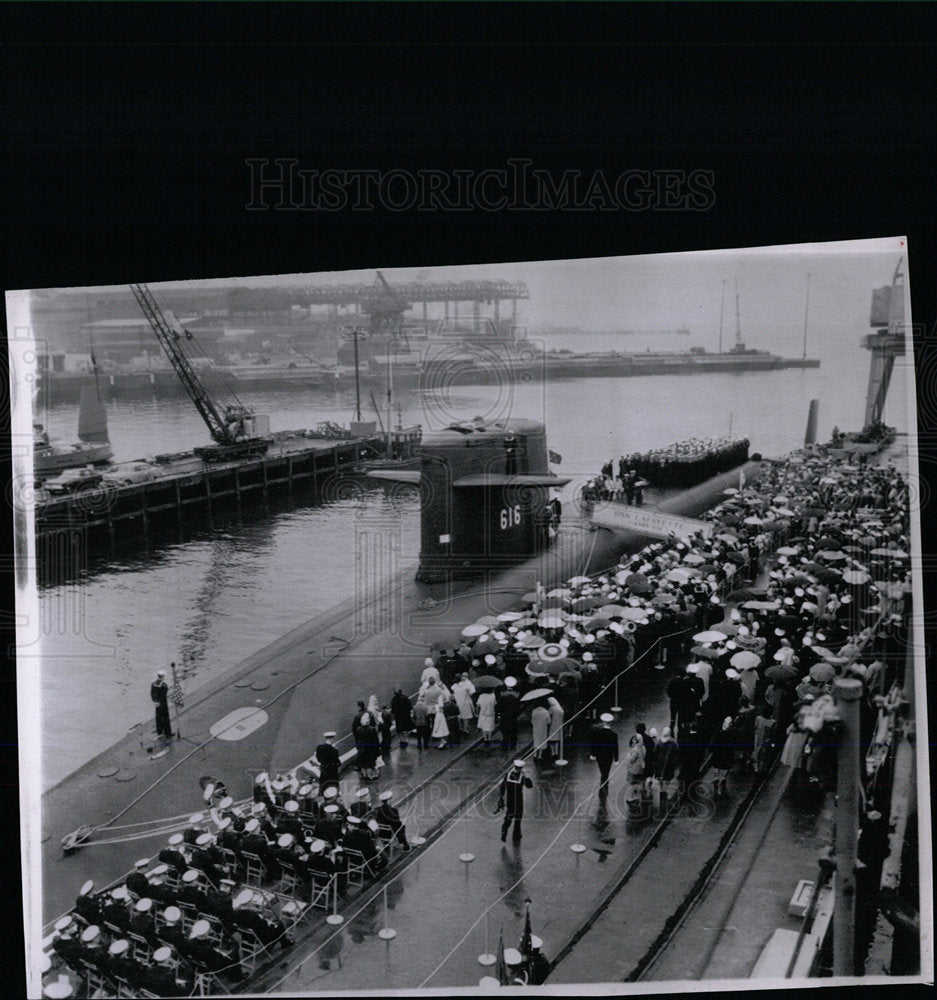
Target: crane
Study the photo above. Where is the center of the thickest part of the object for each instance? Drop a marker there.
(236, 430)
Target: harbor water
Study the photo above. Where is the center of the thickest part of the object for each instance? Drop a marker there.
(220, 588)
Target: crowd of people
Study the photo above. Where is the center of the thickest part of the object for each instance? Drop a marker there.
(683, 463)
(802, 578)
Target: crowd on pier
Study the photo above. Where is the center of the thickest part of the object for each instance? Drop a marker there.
(802, 578)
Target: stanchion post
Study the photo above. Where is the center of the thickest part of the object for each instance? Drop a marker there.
(847, 691)
(386, 933)
(561, 761)
(616, 707)
(486, 958)
(466, 855)
(579, 847)
(334, 917)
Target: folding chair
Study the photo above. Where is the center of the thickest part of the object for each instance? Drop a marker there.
(189, 915)
(141, 950)
(321, 889)
(253, 869)
(94, 978)
(251, 950)
(357, 867)
(292, 913)
(230, 860)
(289, 880)
(389, 842)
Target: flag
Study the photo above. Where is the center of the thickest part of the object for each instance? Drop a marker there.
(526, 945)
(555, 457)
(176, 689)
(501, 969)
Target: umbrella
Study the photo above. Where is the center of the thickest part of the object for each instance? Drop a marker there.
(551, 651)
(850, 649)
(761, 605)
(785, 512)
(473, 631)
(707, 652)
(730, 491)
(751, 519)
(831, 555)
(729, 629)
(524, 622)
(822, 673)
(638, 583)
(780, 498)
(745, 660)
(782, 672)
(710, 635)
(531, 597)
(787, 550)
(693, 559)
(728, 536)
(856, 576)
(536, 693)
(611, 610)
(560, 592)
(744, 594)
(586, 603)
(891, 553)
(488, 620)
(510, 616)
(562, 666)
(553, 604)
(680, 575)
(576, 580)
(484, 646)
(731, 518)
(533, 642)
(594, 624)
(736, 557)
(550, 620)
(826, 542)
(488, 682)
(634, 614)
(824, 574)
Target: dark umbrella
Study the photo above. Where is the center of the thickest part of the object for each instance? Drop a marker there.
(744, 594)
(638, 583)
(594, 624)
(736, 557)
(487, 683)
(561, 666)
(587, 603)
(707, 652)
(781, 672)
(822, 673)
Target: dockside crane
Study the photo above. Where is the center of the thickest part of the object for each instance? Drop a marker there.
(238, 432)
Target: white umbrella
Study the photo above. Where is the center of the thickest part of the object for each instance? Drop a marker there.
(510, 616)
(551, 620)
(710, 635)
(730, 492)
(693, 559)
(473, 631)
(560, 592)
(745, 660)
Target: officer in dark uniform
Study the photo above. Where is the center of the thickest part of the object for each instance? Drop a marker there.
(159, 695)
(361, 807)
(509, 709)
(256, 843)
(289, 821)
(358, 837)
(319, 866)
(116, 910)
(171, 931)
(190, 889)
(329, 826)
(603, 749)
(143, 918)
(118, 963)
(329, 762)
(88, 903)
(389, 816)
(511, 793)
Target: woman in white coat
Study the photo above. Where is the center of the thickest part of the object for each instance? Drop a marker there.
(486, 715)
(540, 722)
(556, 725)
(463, 690)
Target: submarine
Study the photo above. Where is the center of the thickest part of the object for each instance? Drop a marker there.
(489, 535)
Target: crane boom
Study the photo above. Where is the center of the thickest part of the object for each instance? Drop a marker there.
(235, 428)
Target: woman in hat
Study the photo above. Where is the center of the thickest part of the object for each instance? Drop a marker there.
(723, 754)
(368, 746)
(441, 726)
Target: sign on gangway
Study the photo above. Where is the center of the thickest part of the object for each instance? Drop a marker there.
(648, 521)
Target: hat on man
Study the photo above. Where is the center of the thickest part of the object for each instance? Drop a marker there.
(536, 942)
(160, 673)
(252, 826)
(512, 956)
(144, 905)
(159, 870)
(331, 809)
(362, 793)
(141, 863)
(64, 922)
(386, 796)
(224, 822)
(190, 875)
(354, 820)
(259, 807)
(606, 717)
(163, 954)
(196, 818)
(329, 735)
(203, 840)
(518, 763)
(291, 806)
(172, 915)
(175, 840)
(120, 892)
(330, 793)
(285, 840)
(692, 668)
(118, 947)
(91, 933)
(200, 929)
(86, 887)
(510, 682)
(317, 846)
(732, 674)
(261, 778)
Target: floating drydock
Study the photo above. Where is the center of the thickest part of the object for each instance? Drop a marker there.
(185, 481)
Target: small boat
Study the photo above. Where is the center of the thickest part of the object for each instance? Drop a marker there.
(93, 448)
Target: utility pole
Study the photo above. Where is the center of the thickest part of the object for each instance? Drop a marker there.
(806, 311)
(847, 692)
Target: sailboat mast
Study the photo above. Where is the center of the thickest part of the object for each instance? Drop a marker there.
(806, 313)
(722, 313)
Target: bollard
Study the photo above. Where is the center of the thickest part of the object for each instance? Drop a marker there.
(486, 958)
(579, 847)
(334, 917)
(561, 761)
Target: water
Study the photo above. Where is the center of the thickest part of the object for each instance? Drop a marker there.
(229, 586)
